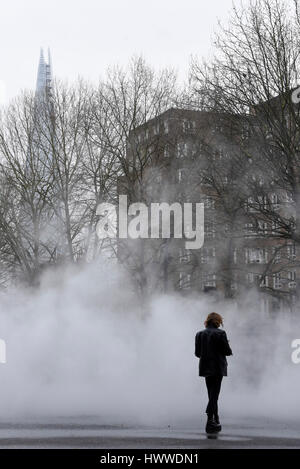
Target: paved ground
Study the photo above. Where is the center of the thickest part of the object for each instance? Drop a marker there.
(91, 433)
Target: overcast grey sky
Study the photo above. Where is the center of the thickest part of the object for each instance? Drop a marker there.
(86, 36)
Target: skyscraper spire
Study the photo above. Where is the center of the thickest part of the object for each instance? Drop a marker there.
(44, 77)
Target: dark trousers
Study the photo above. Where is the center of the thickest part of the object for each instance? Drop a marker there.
(213, 384)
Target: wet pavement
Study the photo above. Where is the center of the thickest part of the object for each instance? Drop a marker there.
(90, 432)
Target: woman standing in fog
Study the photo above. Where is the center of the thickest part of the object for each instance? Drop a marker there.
(212, 347)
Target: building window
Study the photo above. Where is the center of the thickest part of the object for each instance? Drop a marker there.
(180, 175)
(264, 281)
(210, 280)
(253, 278)
(185, 256)
(250, 278)
(289, 198)
(184, 281)
(256, 256)
(256, 230)
(235, 256)
(262, 228)
(292, 276)
(291, 251)
(275, 202)
(277, 281)
(166, 127)
(219, 154)
(156, 129)
(188, 125)
(249, 230)
(263, 202)
(251, 206)
(182, 150)
(210, 231)
(208, 255)
(276, 255)
(167, 151)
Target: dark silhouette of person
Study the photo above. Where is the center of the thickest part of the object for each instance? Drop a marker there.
(212, 348)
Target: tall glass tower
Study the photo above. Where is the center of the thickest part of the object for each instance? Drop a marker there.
(44, 77)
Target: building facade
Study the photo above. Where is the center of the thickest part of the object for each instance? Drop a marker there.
(185, 156)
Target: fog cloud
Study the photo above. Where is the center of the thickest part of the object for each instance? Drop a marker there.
(82, 344)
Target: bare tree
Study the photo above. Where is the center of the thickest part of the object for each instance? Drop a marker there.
(26, 184)
(46, 200)
(252, 79)
(125, 107)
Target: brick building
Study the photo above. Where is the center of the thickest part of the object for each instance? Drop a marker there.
(184, 156)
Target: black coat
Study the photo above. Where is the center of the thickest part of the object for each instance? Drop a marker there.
(212, 347)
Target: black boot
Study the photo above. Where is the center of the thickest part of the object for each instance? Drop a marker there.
(211, 426)
(217, 422)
